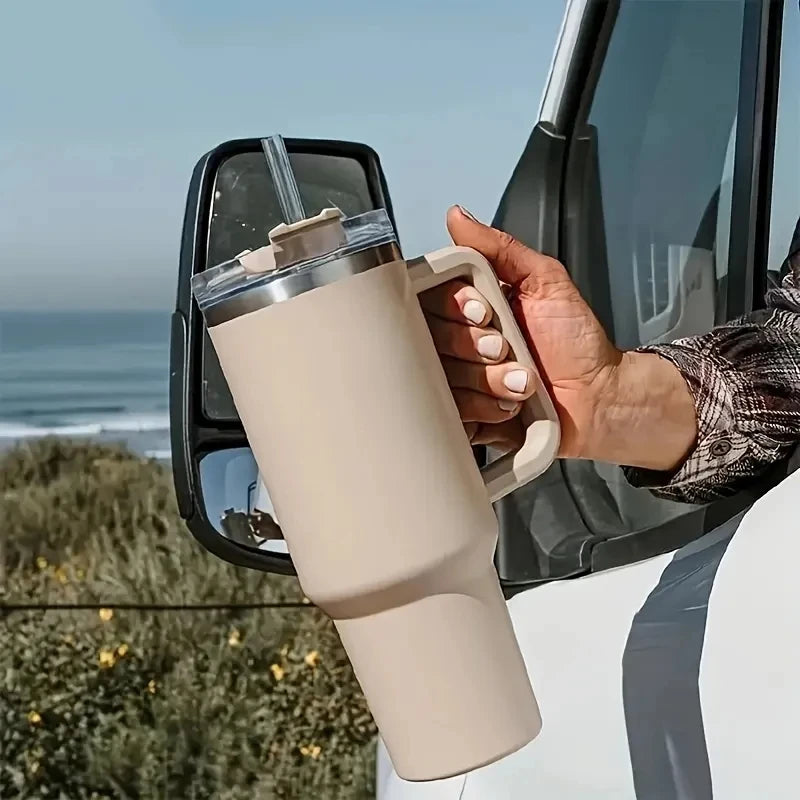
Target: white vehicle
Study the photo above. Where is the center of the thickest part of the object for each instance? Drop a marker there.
(662, 640)
(661, 679)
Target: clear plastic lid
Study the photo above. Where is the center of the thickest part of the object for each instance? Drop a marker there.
(231, 278)
(300, 244)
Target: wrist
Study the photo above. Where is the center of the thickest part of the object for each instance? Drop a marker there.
(645, 415)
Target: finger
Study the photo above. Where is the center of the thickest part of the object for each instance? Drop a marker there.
(479, 407)
(513, 262)
(467, 342)
(457, 301)
(507, 381)
(504, 436)
(471, 429)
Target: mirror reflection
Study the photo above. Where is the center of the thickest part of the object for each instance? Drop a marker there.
(244, 205)
(244, 208)
(236, 501)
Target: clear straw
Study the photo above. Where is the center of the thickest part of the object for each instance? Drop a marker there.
(283, 177)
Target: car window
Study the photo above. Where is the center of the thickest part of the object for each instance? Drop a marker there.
(786, 173)
(666, 143)
(662, 118)
(664, 111)
(666, 154)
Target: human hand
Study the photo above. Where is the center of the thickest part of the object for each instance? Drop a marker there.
(487, 386)
(604, 397)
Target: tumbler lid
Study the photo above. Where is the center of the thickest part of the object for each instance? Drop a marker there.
(301, 256)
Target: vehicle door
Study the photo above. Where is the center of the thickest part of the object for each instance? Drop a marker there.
(649, 173)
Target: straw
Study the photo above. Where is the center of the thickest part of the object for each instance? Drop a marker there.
(283, 178)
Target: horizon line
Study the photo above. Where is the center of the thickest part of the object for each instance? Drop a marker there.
(103, 309)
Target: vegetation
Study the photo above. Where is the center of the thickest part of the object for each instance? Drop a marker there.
(169, 704)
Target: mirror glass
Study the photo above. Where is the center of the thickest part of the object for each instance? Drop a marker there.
(244, 208)
(236, 501)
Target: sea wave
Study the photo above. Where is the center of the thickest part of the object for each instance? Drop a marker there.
(122, 425)
(68, 411)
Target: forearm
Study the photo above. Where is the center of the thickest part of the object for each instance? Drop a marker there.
(700, 418)
(646, 417)
(745, 381)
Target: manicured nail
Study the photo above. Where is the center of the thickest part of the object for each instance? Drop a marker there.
(507, 405)
(466, 213)
(516, 380)
(490, 346)
(475, 311)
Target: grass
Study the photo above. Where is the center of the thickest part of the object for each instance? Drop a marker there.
(177, 704)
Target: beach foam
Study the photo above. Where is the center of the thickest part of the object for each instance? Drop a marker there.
(126, 424)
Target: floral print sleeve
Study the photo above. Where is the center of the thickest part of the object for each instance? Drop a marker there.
(745, 380)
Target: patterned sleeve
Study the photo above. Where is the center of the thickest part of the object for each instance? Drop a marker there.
(745, 380)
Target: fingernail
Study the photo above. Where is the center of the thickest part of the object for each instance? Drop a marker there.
(466, 213)
(490, 346)
(516, 380)
(507, 405)
(475, 311)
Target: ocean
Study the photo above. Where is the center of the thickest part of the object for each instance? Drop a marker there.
(99, 374)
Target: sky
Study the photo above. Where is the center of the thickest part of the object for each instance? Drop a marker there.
(106, 107)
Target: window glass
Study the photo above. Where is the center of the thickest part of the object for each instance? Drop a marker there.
(665, 114)
(665, 111)
(663, 117)
(786, 175)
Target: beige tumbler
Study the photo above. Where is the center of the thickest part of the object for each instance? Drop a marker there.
(386, 515)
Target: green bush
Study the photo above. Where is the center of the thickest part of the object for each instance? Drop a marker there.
(140, 704)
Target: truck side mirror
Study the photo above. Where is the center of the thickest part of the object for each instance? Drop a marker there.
(231, 206)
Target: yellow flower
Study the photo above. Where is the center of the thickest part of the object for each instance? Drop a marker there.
(122, 650)
(41, 562)
(151, 686)
(80, 574)
(60, 574)
(105, 614)
(278, 672)
(34, 717)
(312, 658)
(107, 658)
(313, 750)
(235, 638)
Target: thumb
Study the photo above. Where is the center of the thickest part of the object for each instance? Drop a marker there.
(513, 262)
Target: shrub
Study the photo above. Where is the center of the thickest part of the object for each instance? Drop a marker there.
(139, 704)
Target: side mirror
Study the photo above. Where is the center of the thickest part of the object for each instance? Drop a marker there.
(231, 206)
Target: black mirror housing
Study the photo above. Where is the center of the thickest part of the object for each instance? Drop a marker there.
(228, 208)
